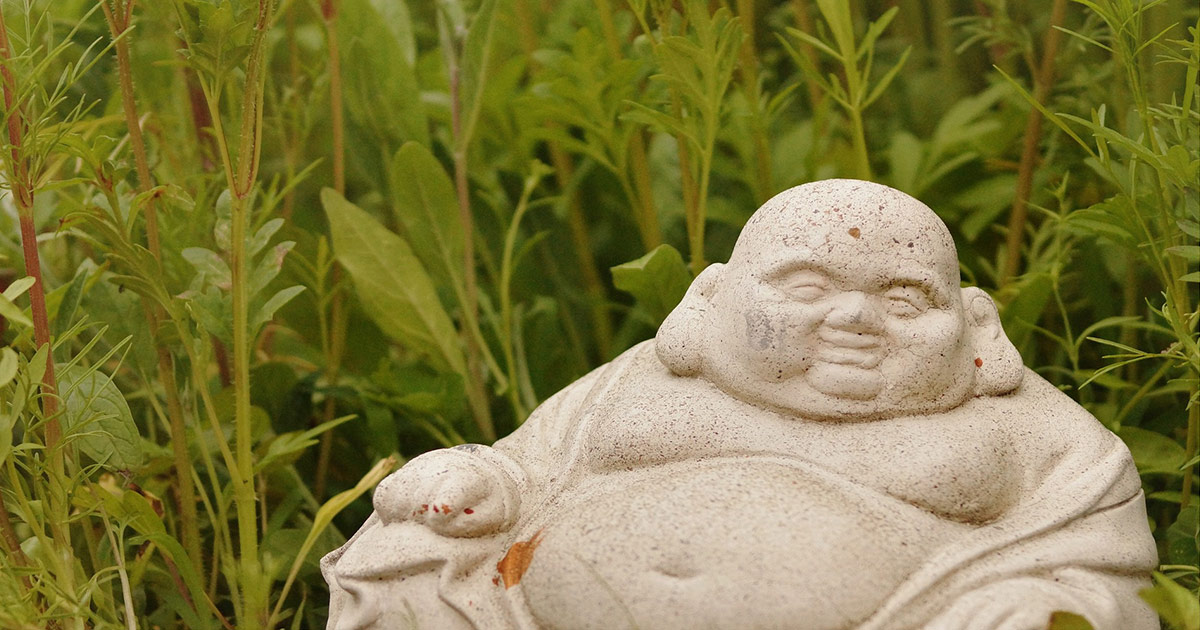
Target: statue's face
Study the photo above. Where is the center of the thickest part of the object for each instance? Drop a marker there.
(842, 314)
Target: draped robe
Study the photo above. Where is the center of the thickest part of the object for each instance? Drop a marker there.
(650, 500)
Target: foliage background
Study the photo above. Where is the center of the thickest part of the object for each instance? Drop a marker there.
(256, 252)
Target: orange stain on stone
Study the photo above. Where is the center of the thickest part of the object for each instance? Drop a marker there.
(978, 362)
(855, 232)
(514, 563)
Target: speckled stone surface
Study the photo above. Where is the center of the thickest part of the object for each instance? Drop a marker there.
(828, 433)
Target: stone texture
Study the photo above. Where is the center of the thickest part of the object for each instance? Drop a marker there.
(828, 433)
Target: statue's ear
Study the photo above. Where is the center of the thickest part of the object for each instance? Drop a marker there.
(999, 369)
(680, 338)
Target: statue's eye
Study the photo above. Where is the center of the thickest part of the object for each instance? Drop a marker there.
(906, 301)
(806, 285)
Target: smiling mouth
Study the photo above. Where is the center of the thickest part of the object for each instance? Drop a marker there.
(850, 349)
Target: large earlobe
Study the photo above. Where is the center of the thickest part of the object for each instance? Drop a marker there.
(999, 369)
(679, 342)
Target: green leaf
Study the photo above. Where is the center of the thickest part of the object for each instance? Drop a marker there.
(68, 303)
(886, 79)
(874, 30)
(1063, 620)
(391, 283)
(287, 447)
(396, 17)
(1177, 605)
(136, 511)
(324, 517)
(814, 42)
(379, 83)
(1183, 538)
(841, 23)
(1190, 253)
(266, 312)
(97, 413)
(1018, 316)
(37, 365)
(657, 280)
(263, 236)
(8, 417)
(476, 61)
(8, 365)
(1154, 453)
(13, 313)
(425, 203)
(19, 287)
(209, 266)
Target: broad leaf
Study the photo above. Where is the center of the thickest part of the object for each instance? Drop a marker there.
(379, 83)
(391, 283)
(97, 413)
(1021, 314)
(1176, 604)
(1154, 453)
(1183, 538)
(657, 280)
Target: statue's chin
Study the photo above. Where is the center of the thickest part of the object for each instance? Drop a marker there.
(845, 381)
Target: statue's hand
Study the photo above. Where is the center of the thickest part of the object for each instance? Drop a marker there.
(1014, 604)
(451, 492)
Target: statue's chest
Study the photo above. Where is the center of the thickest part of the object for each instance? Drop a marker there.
(956, 465)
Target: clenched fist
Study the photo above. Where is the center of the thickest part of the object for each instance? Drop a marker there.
(454, 492)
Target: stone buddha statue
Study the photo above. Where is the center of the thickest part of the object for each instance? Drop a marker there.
(828, 433)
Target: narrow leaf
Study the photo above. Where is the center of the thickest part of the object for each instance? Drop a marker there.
(424, 201)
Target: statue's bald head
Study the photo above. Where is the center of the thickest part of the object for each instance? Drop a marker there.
(841, 219)
(842, 300)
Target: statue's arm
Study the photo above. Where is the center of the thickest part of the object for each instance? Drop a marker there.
(1082, 542)
(1108, 601)
(476, 490)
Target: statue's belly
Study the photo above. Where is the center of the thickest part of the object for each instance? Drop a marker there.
(739, 544)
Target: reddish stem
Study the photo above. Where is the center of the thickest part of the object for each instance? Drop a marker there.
(22, 188)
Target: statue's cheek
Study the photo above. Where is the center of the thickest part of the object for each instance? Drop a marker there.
(777, 339)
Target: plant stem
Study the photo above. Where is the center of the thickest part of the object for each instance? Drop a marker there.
(506, 309)
(805, 23)
(564, 169)
(476, 395)
(1042, 80)
(12, 545)
(118, 24)
(862, 161)
(22, 192)
(1192, 428)
(206, 146)
(21, 182)
(241, 183)
(337, 344)
(646, 211)
(693, 210)
(119, 17)
(763, 187)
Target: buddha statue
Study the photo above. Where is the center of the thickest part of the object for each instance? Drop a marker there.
(828, 433)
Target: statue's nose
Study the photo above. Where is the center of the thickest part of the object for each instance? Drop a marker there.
(855, 311)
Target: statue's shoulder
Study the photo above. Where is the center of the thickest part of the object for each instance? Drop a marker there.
(1039, 416)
